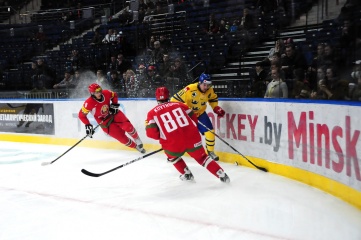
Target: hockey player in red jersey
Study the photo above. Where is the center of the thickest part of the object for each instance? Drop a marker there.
(175, 126)
(103, 104)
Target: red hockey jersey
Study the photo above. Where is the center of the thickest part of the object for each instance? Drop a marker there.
(98, 108)
(175, 126)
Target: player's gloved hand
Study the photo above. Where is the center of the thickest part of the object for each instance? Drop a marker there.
(89, 130)
(219, 111)
(113, 109)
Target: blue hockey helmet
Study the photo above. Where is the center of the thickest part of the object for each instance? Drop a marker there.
(205, 78)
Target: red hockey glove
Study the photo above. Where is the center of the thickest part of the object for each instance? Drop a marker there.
(219, 111)
(113, 109)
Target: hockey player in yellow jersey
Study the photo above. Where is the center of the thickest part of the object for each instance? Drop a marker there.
(196, 96)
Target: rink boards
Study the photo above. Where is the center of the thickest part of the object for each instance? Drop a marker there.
(315, 142)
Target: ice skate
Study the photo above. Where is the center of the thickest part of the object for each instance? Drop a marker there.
(187, 176)
(213, 155)
(223, 176)
(138, 142)
(225, 179)
(140, 148)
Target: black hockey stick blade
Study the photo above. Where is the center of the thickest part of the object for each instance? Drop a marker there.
(91, 174)
(229, 145)
(262, 169)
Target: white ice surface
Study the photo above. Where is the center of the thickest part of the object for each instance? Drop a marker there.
(146, 200)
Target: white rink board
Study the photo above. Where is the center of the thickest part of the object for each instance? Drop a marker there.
(320, 138)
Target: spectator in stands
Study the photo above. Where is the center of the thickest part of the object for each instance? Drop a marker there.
(246, 21)
(40, 36)
(332, 74)
(278, 48)
(223, 26)
(331, 58)
(121, 64)
(288, 41)
(356, 73)
(131, 83)
(165, 43)
(277, 57)
(45, 74)
(151, 43)
(112, 65)
(77, 80)
(277, 88)
(154, 78)
(294, 59)
(66, 83)
(178, 70)
(143, 84)
(75, 60)
(157, 54)
(97, 38)
(36, 80)
(68, 16)
(356, 91)
(125, 17)
(321, 80)
(164, 67)
(301, 88)
(317, 61)
(141, 14)
(349, 8)
(333, 88)
(350, 40)
(122, 45)
(212, 25)
(158, 9)
(258, 83)
(142, 4)
(109, 37)
(276, 64)
(148, 12)
(349, 34)
(116, 83)
(101, 80)
(234, 26)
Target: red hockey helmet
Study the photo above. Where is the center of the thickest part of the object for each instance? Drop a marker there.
(162, 94)
(94, 87)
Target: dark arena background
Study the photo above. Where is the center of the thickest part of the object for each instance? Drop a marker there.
(133, 47)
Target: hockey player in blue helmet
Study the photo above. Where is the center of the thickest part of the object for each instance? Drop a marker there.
(196, 96)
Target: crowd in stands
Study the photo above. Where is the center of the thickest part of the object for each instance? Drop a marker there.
(332, 74)
(285, 73)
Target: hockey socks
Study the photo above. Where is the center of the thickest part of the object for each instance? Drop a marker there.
(210, 140)
(180, 165)
(133, 133)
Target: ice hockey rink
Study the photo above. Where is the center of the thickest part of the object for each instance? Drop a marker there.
(146, 200)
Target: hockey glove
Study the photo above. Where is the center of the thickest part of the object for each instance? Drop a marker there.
(219, 111)
(113, 109)
(89, 130)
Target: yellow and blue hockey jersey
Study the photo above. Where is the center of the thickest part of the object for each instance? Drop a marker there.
(195, 99)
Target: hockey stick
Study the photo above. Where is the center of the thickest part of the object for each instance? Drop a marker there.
(123, 165)
(48, 163)
(260, 168)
